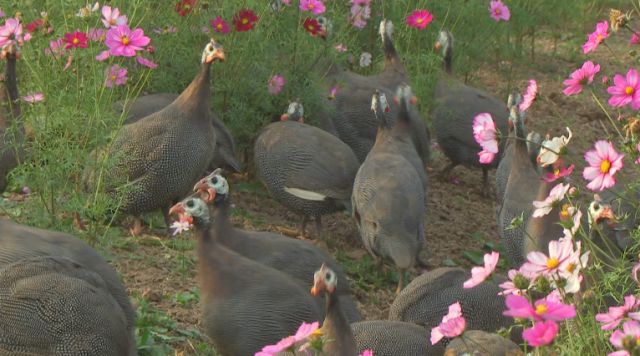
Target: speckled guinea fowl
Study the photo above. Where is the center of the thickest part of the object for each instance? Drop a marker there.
(504, 167)
(427, 298)
(224, 155)
(246, 305)
(389, 192)
(482, 343)
(456, 106)
(612, 217)
(165, 153)
(335, 327)
(393, 338)
(52, 305)
(352, 118)
(11, 127)
(306, 169)
(296, 258)
(20, 242)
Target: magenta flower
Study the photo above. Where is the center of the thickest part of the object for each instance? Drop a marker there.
(275, 85)
(315, 6)
(629, 335)
(419, 19)
(625, 90)
(596, 37)
(542, 333)
(146, 62)
(367, 353)
(75, 40)
(116, 75)
(634, 40)
(612, 318)
(529, 96)
(11, 33)
(33, 98)
(545, 206)
(452, 324)
(479, 274)
(604, 161)
(499, 11)
(485, 134)
(558, 173)
(112, 18)
(580, 77)
(122, 41)
(560, 254)
(220, 25)
(547, 308)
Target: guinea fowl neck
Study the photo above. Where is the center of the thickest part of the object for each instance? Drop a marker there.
(195, 98)
(391, 58)
(336, 328)
(447, 60)
(540, 231)
(11, 85)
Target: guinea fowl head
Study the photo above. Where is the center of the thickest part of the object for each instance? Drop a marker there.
(444, 43)
(212, 51)
(295, 112)
(192, 208)
(600, 211)
(325, 27)
(325, 279)
(404, 97)
(386, 30)
(517, 119)
(380, 106)
(212, 188)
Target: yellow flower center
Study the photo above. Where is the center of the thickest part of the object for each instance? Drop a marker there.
(245, 21)
(599, 38)
(498, 11)
(311, 28)
(125, 40)
(564, 212)
(629, 90)
(541, 309)
(552, 263)
(605, 165)
(114, 77)
(571, 267)
(419, 20)
(75, 40)
(311, 6)
(219, 26)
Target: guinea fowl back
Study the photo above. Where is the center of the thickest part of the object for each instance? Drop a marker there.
(392, 338)
(54, 306)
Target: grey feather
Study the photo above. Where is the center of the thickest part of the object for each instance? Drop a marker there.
(392, 338)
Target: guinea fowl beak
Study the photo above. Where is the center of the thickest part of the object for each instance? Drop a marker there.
(437, 45)
(284, 117)
(201, 188)
(218, 54)
(315, 290)
(177, 209)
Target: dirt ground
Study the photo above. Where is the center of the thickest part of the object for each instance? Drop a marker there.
(458, 220)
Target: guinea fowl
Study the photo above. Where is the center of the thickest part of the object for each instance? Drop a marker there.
(246, 304)
(12, 137)
(482, 343)
(52, 305)
(355, 123)
(456, 107)
(389, 192)
(504, 167)
(22, 242)
(306, 169)
(612, 218)
(391, 338)
(224, 155)
(427, 298)
(335, 328)
(165, 153)
(296, 258)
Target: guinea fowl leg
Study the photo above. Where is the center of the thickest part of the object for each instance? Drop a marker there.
(305, 218)
(138, 226)
(167, 219)
(319, 227)
(401, 272)
(485, 182)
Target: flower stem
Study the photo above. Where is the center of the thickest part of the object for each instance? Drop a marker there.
(593, 95)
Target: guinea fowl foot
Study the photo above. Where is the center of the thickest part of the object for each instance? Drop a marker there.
(319, 230)
(138, 227)
(303, 225)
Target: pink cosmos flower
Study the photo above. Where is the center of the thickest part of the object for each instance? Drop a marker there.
(511, 286)
(499, 11)
(33, 98)
(625, 90)
(558, 173)
(604, 161)
(452, 324)
(112, 18)
(367, 353)
(614, 316)
(11, 33)
(97, 34)
(538, 263)
(479, 274)
(146, 62)
(634, 39)
(315, 6)
(75, 40)
(529, 96)
(122, 41)
(116, 75)
(304, 331)
(596, 37)
(180, 226)
(629, 335)
(485, 134)
(580, 77)
(556, 195)
(360, 13)
(275, 85)
(419, 19)
(102, 56)
(572, 215)
(56, 47)
(548, 308)
(340, 47)
(2, 14)
(220, 25)
(332, 93)
(542, 333)
(634, 272)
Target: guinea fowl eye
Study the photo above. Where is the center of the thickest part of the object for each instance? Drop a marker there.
(327, 276)
(596, 206)
(214, 180)
(190, 204)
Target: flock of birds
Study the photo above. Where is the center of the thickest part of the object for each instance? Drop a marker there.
(367, 155)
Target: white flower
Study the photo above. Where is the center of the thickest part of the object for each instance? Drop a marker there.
(180, 227)
(87, 10)
(555, 195)
(576, 216)
(551, 148)
(365, 59)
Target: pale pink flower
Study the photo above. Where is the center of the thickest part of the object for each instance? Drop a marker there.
(485, 134)
(116, 75)
(180, 226)
(452, 324)
(97, 34)
(580, 77)
(614, 316)
(2, 14)
(515, 277)
(367, 353)
(360, 13)
(538, 263)
(630, 334)
(548, 308)
(102, 56)
(419, 19)
(558, 173)
(146, 62)
(304, 331)
(634, 272)
(112, 18)
(626, 90)
(529, 96)
(56, 47)
(11, 33)
(33, 97)
(479, 274)
(596, 37)
(545, 206)
(275, 85)
(315, 6)
(638, 148)
(634, 40)
(552, 149)
(340, 47)
(542, 333)
(499, 11)
(122, 41)
(604, 161)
